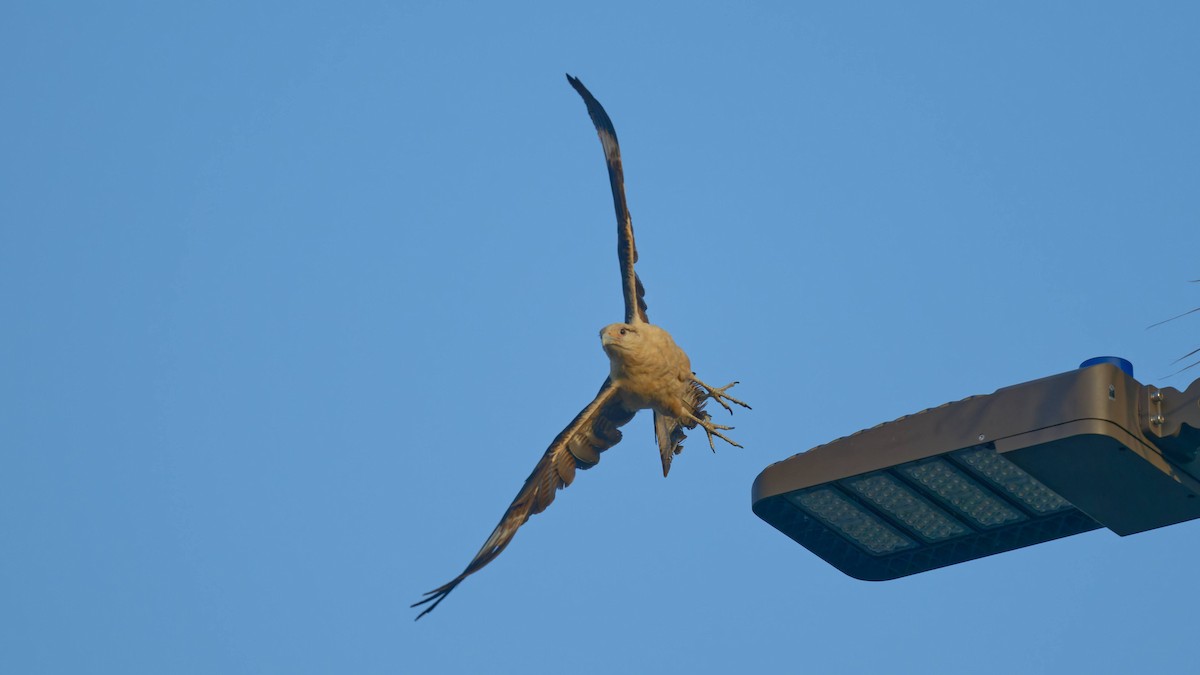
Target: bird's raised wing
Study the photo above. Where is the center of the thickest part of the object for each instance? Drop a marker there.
(631, 286)
(593, 431)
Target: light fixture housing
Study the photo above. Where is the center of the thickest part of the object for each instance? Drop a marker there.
(1027, 464)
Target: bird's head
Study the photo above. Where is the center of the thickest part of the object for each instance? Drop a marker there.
(619, 338)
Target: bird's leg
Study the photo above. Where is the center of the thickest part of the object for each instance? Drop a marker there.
(713, 430)
(718, 393)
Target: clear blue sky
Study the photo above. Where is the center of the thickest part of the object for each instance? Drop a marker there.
(294, 297)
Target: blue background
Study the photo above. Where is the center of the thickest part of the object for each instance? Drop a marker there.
(294, 296)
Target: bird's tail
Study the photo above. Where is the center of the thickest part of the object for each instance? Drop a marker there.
(668, 431)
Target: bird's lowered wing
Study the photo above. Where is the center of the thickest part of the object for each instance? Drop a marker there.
(594, 430)
(631, 286)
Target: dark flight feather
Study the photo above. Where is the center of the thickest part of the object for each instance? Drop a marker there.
(631, 286)
(594, 430)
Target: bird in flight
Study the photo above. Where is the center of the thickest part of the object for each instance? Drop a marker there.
(647, 370)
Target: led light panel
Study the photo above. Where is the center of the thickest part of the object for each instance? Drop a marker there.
(1010, 478)
(901, 503)
(852, 520)
(964, 494)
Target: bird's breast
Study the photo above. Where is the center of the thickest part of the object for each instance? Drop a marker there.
(654, 373)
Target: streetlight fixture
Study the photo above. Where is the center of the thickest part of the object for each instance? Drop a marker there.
(1027, 464)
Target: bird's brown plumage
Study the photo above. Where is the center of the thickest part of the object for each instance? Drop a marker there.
(647, 370)
(631, 285)
(594, 430)
(652, 372)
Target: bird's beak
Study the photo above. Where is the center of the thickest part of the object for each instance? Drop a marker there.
(606, 338)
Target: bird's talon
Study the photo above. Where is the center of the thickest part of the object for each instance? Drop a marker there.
(713, 429)
(718, 394)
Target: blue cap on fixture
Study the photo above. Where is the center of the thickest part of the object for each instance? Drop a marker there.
(1117, 361)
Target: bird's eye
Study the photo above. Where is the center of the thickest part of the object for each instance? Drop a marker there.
(624, 331)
